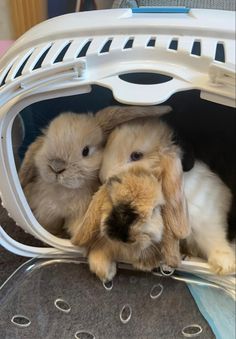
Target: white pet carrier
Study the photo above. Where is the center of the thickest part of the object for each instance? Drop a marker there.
(98, 47)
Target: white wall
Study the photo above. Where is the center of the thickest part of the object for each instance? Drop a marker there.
(6, 29)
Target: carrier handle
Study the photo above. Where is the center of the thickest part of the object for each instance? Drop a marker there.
(160, 9)
(129, 93)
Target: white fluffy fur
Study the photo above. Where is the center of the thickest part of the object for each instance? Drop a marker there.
(209, 201)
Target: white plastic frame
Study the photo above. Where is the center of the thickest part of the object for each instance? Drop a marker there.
(21, 84)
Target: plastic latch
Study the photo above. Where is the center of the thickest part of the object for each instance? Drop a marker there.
(173, 10)
(80, 69)
(222, 74)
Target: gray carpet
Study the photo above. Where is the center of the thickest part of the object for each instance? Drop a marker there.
(93, 308)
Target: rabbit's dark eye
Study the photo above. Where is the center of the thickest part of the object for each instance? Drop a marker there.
(135, 156)
(85, 151)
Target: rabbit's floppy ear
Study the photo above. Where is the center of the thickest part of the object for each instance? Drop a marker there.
(109, 117)
(89, 228)
(175, 211)
(28, 169)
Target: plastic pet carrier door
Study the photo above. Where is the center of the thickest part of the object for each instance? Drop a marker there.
(66, 55)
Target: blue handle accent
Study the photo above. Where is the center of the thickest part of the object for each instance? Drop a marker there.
(160, 10)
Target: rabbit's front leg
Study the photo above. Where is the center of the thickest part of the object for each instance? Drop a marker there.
(170, 249)
(101, 263)
(144, 266)
(148, 259)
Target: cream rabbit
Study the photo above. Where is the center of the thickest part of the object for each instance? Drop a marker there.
(143, 143)
(59, 173)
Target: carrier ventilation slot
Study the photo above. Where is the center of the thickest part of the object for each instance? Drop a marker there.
(220, 52)
(61, 55)
(196, 49)
(151, 42)
(19, 72)
(173, 44)
(84, 50)
(4, 79)
(129, 43)
(41, 59)
(106, 47)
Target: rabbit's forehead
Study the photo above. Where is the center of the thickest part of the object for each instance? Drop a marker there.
(77, 134)
(133, 138)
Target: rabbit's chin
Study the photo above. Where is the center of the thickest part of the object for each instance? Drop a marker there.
(60, 180)
(72, 184)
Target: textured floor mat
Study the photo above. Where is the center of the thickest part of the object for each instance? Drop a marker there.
(61, 299)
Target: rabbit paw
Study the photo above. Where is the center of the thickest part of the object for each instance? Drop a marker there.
(105, 270)
(142, 266)
(222, 262)
(110, 273)
(173, 261)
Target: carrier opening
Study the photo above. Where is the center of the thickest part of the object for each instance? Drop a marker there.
(204, 130)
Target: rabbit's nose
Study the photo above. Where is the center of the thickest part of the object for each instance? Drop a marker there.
(57, 165)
